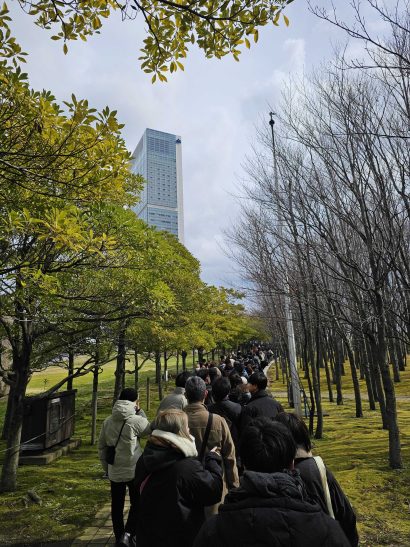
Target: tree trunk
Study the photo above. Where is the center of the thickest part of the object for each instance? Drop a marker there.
(311, 394)
(356, 386)
(158, 373)
(7, 417)
(327, 373)
(120, 368)
(166, 365)
(94, 402)
(368, 377)
(328, 381)
(401, 359)
(136, 372)
(395, 459)
(338, 373)
(70, 368)
(316, 389)
(21, 365)
(378, 384)
(393, 359)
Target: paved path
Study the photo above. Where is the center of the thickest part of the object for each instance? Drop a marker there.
(100, 532)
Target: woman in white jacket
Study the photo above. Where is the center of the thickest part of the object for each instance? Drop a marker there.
(122, 429)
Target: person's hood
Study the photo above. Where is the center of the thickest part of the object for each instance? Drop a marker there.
(268, 485)
(184, 445)
(157, 457)
(122, 410)
(168, 449)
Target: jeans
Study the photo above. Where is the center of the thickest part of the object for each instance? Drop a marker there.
(118, 490)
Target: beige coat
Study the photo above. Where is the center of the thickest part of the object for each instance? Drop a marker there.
(219, 436)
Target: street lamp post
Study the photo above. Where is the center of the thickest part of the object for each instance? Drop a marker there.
(288, 311)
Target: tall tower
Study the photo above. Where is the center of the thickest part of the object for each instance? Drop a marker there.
(158, 158)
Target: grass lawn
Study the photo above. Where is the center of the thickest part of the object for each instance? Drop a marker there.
(72, 488)
(356, 450)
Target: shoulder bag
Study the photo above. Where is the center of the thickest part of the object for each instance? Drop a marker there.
(325, 486)
(201, 455)
(110, 450)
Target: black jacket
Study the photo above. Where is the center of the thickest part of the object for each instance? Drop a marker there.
(342, 509)
(236, 395)
(232, 413)
(270, 510)
(261, 404)
(172, 499)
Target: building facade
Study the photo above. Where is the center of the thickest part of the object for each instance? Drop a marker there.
(158, 159)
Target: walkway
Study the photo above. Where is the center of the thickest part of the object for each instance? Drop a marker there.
(100, 532)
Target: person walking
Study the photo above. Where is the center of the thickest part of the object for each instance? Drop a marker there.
(320, 483)
(173, 486)
(261, 402)
(176, 399)
(122, 430)
(270, 508)
(210, 431)
(229, 410)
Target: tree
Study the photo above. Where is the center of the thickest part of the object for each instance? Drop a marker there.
(343, 201)
(59, 170)
(219, 27)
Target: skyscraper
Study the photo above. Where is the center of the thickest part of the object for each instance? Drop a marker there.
(158, 159)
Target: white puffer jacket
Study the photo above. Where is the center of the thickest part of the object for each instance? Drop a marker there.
(128, 448)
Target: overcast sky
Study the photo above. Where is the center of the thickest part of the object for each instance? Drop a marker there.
(214, 105)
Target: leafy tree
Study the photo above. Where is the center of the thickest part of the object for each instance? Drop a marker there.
(219, 27)
(59, 169)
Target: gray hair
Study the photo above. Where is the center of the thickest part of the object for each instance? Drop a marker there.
(195, 389)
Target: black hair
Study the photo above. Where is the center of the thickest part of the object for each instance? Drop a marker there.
(235, 380)
(182, 377)
(221, 388)
(297, 427)
(258, 379)
(214, 373)
(128, 394)
(267, 446)
(203, 373)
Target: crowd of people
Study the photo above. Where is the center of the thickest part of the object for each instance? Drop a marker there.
(223, 465)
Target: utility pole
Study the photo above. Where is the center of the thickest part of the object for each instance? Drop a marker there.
(288, 311)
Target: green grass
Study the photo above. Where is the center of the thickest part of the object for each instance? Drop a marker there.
(72, 488)
(356, 450)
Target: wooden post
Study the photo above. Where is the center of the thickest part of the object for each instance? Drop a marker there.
(148, 395)
(136, 372)
(94, 406)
